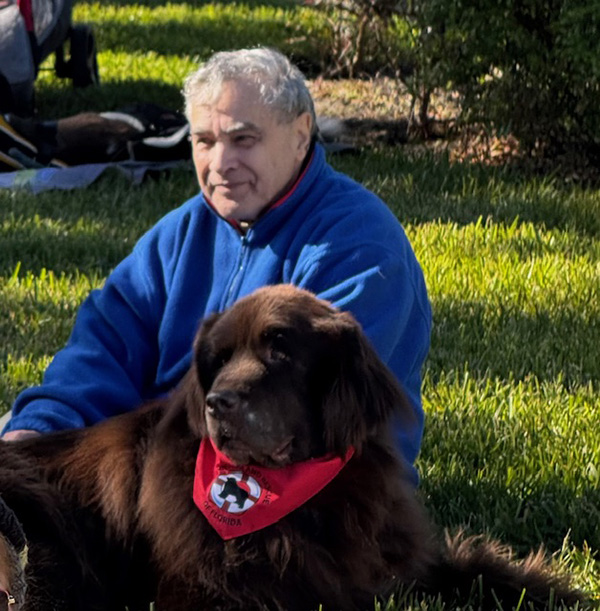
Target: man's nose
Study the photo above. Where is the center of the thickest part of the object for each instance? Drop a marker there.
(223, 158)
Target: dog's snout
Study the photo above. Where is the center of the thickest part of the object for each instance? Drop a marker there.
(222, 403)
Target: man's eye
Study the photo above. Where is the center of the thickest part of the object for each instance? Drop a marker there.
(202, 142)
(245, 140)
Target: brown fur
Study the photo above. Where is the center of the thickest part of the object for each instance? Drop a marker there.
(115, 501)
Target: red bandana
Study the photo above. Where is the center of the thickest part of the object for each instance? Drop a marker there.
(237, 500)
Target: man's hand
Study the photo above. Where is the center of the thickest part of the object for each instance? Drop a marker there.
(19, 434)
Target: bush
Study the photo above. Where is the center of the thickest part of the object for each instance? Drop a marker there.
(365, 37)
(531, 67)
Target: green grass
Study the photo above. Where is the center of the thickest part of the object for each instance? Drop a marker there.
(512, 384)
(512, 381)
(145, 49)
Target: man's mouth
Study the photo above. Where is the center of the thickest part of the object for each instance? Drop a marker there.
(227, 186)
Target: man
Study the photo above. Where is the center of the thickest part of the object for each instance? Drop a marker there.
(270, 210)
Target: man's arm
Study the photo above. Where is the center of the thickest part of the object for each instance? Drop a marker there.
(103, 369)
(19, 434)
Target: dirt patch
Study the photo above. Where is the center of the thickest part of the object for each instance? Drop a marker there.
(363, 113)
(367, 112)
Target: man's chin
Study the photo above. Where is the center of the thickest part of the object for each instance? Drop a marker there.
(235, 210)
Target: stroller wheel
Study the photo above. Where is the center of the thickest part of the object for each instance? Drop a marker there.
(83, 64)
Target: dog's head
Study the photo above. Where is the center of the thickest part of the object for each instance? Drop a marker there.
(285, 377)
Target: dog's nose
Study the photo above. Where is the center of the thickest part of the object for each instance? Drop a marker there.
(223, 402)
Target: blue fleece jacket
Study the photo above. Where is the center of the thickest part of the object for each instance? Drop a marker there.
(132, 339)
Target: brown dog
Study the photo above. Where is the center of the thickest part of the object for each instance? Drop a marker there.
(266, 480)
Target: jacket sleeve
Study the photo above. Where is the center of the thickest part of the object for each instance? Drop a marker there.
(108, 361)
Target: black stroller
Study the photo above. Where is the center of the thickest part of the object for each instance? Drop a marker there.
(30, 30)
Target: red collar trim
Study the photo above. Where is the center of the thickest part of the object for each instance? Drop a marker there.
(275, 204)
(289, 194)
(237, 500)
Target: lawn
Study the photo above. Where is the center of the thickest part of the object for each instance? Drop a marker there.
(512, 262)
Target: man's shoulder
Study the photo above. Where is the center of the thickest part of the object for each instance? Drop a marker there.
(169, 235)
(181, 219)
(345, 206)
(192, 208)
(338, 193)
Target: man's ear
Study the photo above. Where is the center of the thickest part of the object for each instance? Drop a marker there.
(303, 127)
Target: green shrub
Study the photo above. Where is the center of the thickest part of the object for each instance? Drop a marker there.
(531, 67)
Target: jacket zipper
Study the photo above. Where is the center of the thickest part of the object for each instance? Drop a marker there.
(238, 273)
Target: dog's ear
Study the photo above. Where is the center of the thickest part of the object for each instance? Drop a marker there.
(204, 352)
(186, 402)
(363, 393)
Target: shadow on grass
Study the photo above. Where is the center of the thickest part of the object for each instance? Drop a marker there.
(69, 253)
(522, 518)
(428, 188)
(514, 345)
(56, 101)
(87, 231)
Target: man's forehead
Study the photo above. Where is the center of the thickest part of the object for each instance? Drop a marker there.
(204, 122)
(235, 107)
(230, 119)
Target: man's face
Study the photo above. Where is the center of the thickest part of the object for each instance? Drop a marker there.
(245, 158)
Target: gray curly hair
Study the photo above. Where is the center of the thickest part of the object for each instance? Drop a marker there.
(280, 84)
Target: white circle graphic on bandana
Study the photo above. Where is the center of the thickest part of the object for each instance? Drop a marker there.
(235, 492)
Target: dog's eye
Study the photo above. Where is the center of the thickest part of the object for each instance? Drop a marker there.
(222, 357)
(278, 345)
